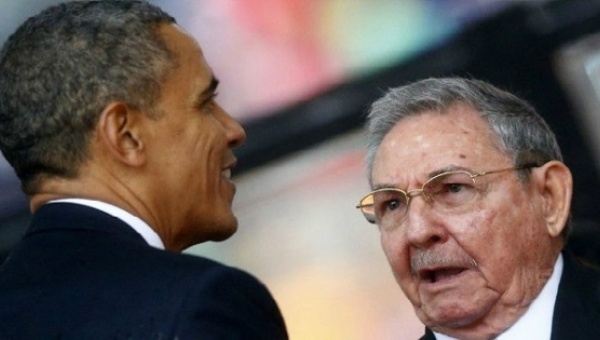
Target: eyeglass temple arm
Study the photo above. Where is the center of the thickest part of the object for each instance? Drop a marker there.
(516, 168)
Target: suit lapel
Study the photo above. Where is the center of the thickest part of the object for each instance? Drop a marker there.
(428, 335)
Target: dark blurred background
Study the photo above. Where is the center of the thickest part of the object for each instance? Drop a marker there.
(300, 74)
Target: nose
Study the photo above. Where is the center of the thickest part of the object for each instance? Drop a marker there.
(236, 135)
(423, 226)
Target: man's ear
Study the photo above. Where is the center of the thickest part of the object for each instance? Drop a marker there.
(556, 187)
(119, 131)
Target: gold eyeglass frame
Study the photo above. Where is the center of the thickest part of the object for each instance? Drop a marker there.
(416, 192)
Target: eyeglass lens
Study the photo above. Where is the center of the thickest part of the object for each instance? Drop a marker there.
(445, 191)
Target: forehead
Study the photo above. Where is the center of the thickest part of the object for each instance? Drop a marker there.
(192, 70)
(432, 140)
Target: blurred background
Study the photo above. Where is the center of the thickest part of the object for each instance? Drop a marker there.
(300, 74)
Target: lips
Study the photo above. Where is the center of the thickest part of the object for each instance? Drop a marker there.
(440, 274)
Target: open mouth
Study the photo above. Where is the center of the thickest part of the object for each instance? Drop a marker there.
(227, 167)
(226, 173)
(441, 274)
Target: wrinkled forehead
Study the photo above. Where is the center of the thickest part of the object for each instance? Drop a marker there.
(430, 141)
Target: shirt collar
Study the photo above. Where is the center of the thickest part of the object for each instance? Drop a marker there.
(137, 224)
(536, 323)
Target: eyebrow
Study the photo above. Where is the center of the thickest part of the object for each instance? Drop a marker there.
(208, 91)
(447, 169)
(430, 175)
(384, 186)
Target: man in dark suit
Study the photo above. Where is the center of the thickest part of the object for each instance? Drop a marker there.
(472, 201)
(108, 116)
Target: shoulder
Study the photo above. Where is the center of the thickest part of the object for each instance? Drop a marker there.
(209, 297)
(192, 265)
(224, 300)
(577, 307)
(581, 271)
(214, 280)
(580, 282)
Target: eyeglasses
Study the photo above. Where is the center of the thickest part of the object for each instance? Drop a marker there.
(445, 191)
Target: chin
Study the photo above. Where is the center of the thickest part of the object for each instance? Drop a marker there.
(223, 236)
(224, 230)
(455, 319)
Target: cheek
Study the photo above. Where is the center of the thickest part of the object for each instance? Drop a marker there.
(211, 144)
(481, 233)
(394, 248)
(495, 239)
(204, 147)
(496, 223)
(389, 248)
(397, 254)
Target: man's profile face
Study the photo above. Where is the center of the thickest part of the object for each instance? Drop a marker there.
(190, 149)
(476, 263)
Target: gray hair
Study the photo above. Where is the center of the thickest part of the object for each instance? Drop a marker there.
(60, 68)
(518, 129)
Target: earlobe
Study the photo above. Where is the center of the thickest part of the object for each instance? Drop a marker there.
(556, 185)
(118, 131)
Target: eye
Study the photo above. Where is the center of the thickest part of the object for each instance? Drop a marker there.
(392, 204)
(451, 189)
(208, 104)
(455, 188)
(389, 201)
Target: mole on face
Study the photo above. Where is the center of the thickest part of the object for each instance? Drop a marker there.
(462, 156)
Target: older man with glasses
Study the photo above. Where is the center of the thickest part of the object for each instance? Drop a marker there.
(472, 202)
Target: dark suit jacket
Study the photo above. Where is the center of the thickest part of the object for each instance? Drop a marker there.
(82, 274)
(577, 307)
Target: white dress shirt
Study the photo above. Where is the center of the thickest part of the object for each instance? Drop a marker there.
(134, 222)
(536, 323)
